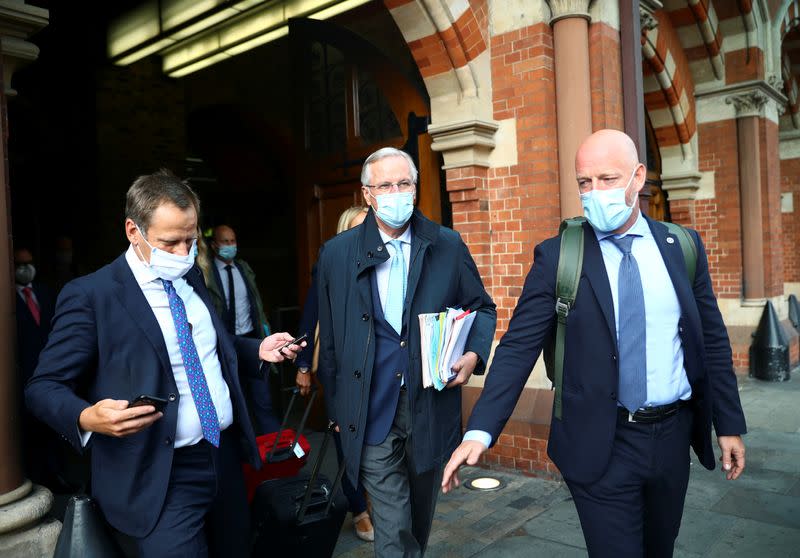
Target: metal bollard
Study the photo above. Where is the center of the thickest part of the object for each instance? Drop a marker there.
(794, 312)
(769, 352)
(85, 533)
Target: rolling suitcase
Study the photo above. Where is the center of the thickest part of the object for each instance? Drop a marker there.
(283, 453)
(299, 516)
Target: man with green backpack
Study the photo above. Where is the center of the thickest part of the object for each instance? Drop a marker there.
(638, 353)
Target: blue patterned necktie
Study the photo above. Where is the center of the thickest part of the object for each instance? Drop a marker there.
(396, 293)
(632, 337)
(194, 369)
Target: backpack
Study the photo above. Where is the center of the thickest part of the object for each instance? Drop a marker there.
(570, 264)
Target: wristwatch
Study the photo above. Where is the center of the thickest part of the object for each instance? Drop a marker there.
(303, 370)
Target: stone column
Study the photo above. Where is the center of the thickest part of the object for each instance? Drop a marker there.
(748, 111)
(22, 505)
(570, 21)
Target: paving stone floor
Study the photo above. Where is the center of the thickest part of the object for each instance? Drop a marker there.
(756, 516)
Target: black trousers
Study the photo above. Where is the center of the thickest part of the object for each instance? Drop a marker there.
(635, 509)
(205, 512)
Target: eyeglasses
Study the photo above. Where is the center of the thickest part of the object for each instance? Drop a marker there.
(383, 187)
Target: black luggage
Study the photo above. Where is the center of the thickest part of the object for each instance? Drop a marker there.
(299, 516)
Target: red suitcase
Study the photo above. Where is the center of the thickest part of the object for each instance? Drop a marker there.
(277, 449)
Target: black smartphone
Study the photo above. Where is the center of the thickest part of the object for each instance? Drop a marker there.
(158, 402)
(296, 340)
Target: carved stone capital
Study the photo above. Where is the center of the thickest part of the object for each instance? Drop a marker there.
(465, 143)
(647, 21)
(563, 9)
(748, 103)
(775, 81)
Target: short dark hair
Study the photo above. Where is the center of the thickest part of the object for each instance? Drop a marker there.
(149, 191)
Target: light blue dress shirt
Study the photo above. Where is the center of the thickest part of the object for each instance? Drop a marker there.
(666, 376)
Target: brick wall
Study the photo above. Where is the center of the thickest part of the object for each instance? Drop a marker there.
(771, 207)
(522, 198)
(719, 220)
(467, 188)
(605, 74)
(790, 182)
(521, 453)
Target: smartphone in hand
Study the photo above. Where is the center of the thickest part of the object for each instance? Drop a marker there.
(295, 341)
(158, 402)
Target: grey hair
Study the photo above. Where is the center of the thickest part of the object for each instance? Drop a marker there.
(150, 191)
(383, 153)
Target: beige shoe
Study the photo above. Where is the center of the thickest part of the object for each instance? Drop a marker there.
(363, 527)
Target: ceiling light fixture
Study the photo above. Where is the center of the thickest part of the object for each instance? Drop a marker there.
(194, 34)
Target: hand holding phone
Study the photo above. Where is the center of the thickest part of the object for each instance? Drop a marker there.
(275, 348)
(295, 341)
(159, 403)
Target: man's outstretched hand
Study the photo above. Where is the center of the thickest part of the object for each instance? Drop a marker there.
(468, 452)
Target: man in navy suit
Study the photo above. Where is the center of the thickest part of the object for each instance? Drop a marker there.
(647, 366)
(373, 282)
(44, 451)
(144, 325)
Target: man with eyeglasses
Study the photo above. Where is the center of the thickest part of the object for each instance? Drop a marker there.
(374, 280)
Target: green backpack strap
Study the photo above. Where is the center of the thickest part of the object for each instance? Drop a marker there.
(570, 264)
(688, 247)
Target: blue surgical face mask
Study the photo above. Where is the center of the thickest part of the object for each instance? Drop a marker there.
(607, 210)
(227, 252)
(394, 209)
(169, 266)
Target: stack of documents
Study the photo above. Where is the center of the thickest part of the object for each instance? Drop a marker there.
(443, 336)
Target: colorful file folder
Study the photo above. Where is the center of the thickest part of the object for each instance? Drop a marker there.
(443, 336)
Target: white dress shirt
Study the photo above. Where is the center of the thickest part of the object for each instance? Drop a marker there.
(241, 301)
(189, 430)
(22, 294)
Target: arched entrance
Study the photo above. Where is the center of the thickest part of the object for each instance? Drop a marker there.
(350, 100)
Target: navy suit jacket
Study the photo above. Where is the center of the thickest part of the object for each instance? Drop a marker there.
(441, 274)
(580, 443)
(106, 343)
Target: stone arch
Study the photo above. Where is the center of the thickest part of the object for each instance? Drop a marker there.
(790, 29)
(445, 37)
(669, 87)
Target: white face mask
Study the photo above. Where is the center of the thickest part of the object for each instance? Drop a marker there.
(166, 265)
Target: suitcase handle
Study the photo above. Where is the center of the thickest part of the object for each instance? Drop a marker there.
(299, 429)
(301, 513)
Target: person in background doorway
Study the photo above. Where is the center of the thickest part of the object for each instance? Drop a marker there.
(307, 368)
(35, 303)
(232, 285)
